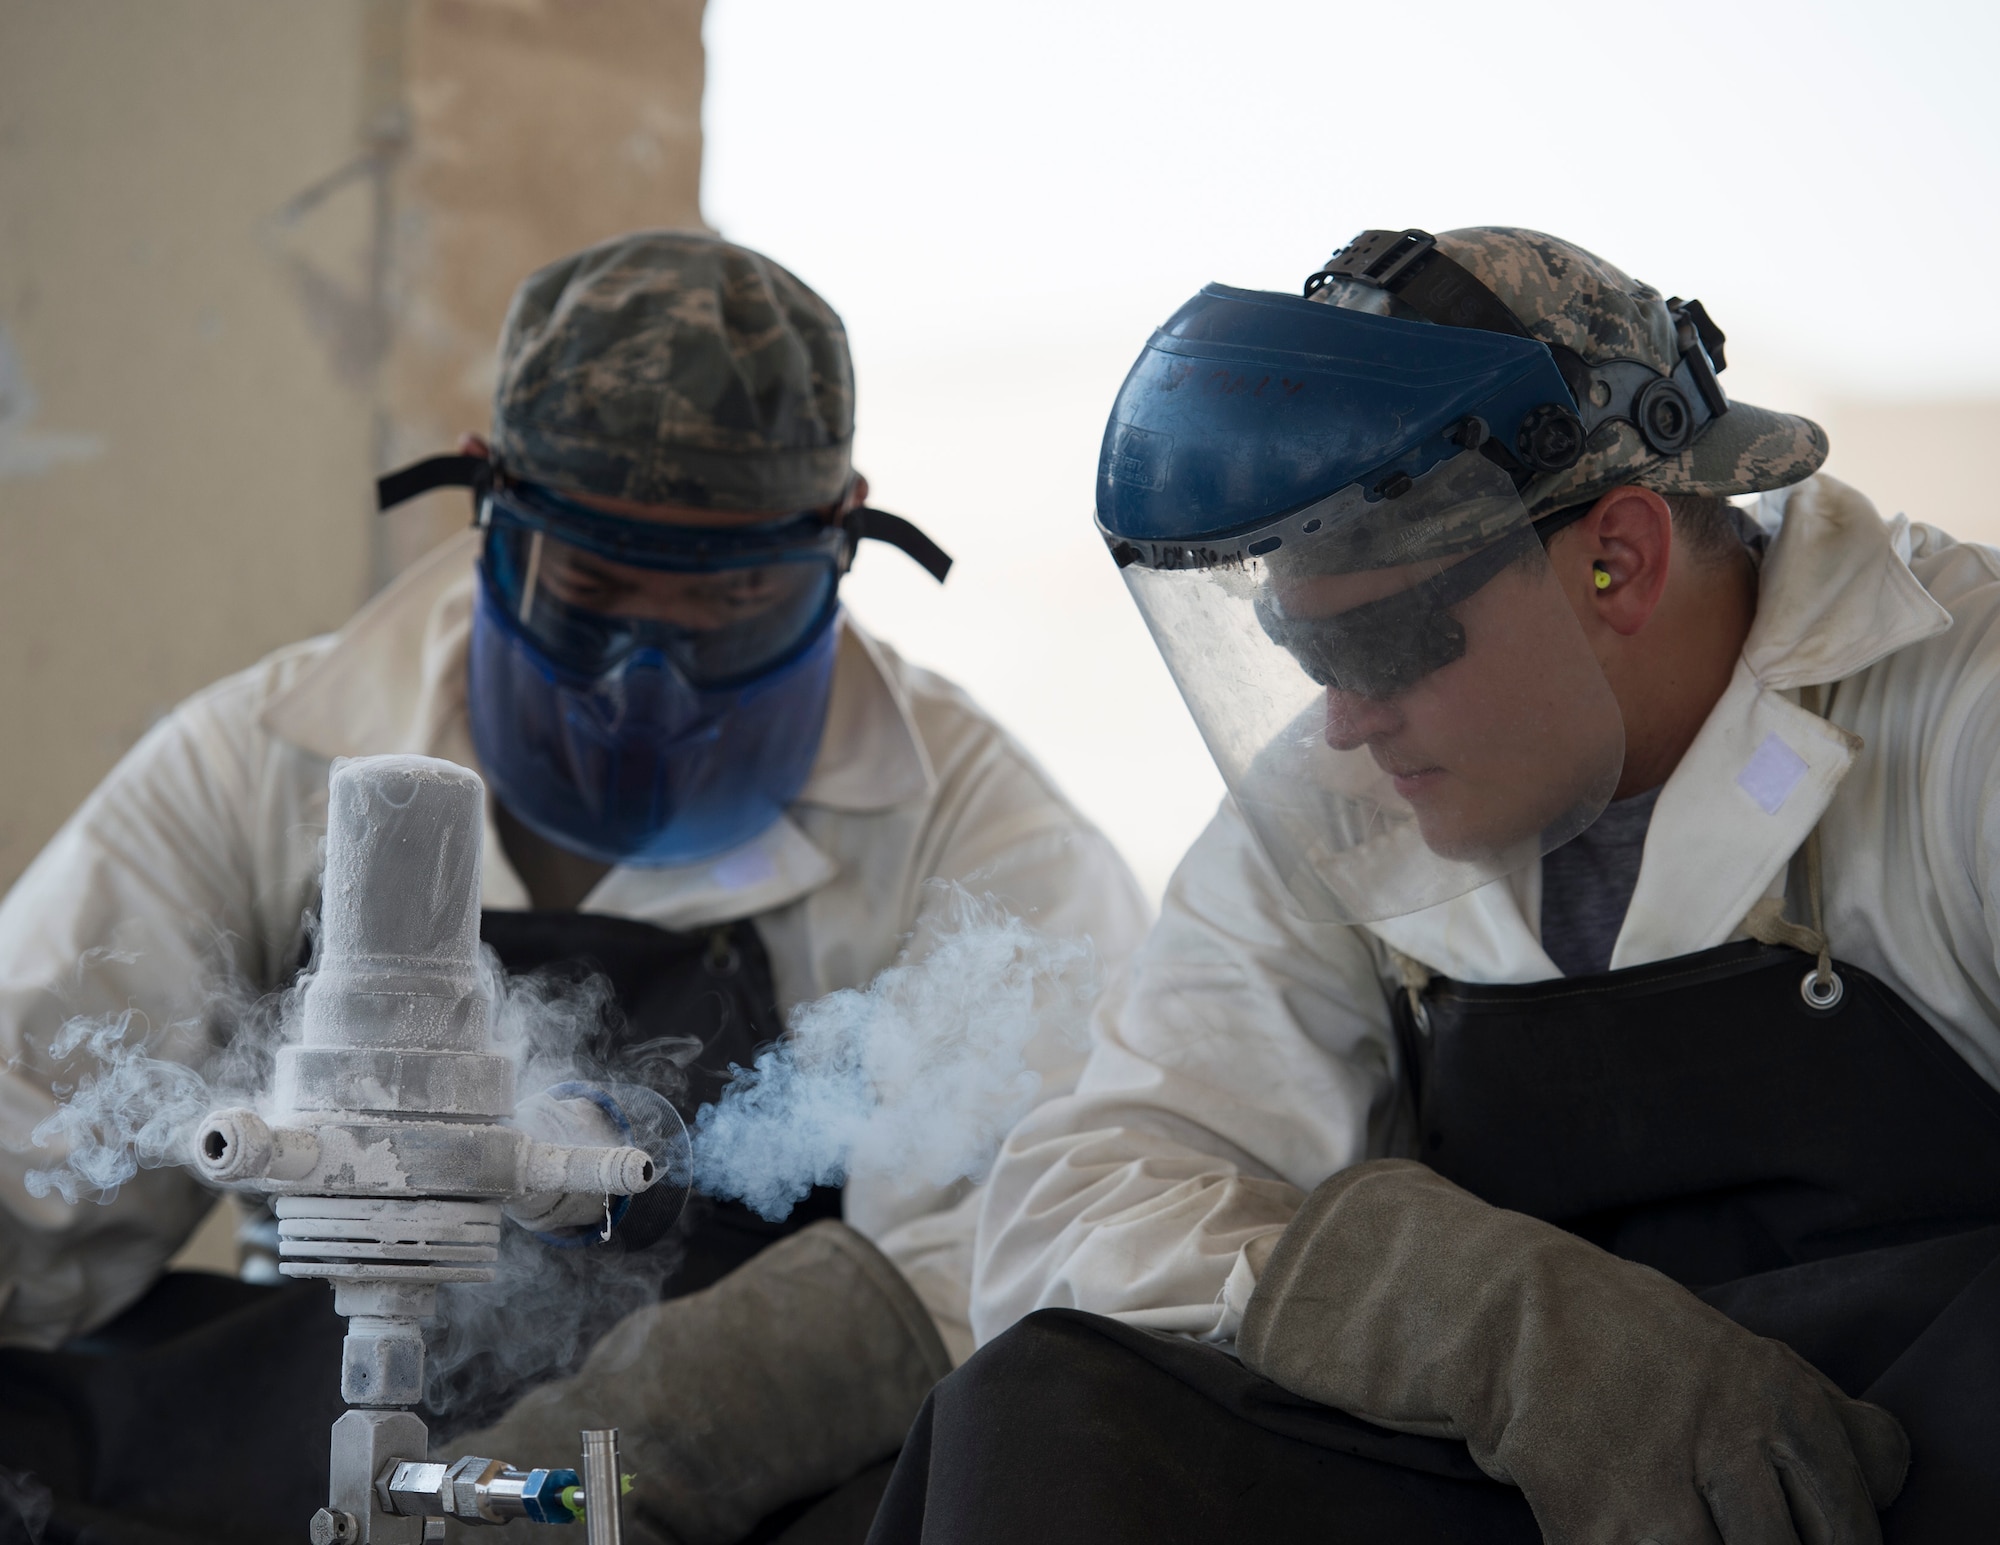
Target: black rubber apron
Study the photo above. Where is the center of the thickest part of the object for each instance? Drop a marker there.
(202, 1413)
(1826, 1176)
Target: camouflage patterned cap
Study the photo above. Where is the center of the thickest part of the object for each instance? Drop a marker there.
(672, 367)
(1565, 295)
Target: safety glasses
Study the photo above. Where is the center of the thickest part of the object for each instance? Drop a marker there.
(1385, 647)
(720, 605)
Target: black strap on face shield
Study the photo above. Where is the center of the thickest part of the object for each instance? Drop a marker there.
(1409, 266)
(479, 474)
(873, 525)
(1669, 411)
(420, 477)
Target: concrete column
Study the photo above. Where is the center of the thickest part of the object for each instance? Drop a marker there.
(535, 129)
(251, 253)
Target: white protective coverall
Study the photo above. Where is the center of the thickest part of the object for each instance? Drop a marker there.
(195, 861)
(1252, 1054)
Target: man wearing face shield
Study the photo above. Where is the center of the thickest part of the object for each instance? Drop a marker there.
(705, 781)
(1561, 1097)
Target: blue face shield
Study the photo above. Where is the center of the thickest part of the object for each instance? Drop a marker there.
(641, 691)
(1318, 513)
(645, 693)
(636, 764)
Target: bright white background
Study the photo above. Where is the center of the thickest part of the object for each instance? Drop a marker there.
(1002, 200)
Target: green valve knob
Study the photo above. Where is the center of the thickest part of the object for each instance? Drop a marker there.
(573, 1498)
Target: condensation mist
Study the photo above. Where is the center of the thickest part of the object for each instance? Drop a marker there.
(917, 1076)
(546, 1304)
(131, 1092)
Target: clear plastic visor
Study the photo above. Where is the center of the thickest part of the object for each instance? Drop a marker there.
(1397, 691)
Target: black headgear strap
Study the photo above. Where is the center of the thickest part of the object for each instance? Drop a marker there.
(1410, 267)
(420, 477)
(870, 524)
(1670, 412)
(479, 474)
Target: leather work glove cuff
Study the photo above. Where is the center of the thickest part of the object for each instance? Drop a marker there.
(1618, 1402)
(791, 1375)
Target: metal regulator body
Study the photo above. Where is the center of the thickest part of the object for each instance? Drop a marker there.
(396, 1146)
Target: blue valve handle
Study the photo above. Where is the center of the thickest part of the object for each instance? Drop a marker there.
(545, 1496)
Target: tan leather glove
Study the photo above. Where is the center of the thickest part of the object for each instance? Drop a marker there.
(1624, 1408)
(792, 1374)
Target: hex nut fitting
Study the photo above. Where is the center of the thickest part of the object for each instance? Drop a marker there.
(542, 1496)
(382, 1369)
(330, 1526)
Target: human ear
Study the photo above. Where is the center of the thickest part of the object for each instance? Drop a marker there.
(1626, 542)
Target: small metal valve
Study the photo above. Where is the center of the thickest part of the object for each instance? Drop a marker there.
(476, 1490)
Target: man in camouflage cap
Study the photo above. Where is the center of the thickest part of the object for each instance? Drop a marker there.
(670, 504)
(706, 782)
(1627, 1173)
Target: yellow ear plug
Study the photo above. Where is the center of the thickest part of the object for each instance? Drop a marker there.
(1603, 577)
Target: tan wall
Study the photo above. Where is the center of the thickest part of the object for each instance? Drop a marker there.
(536, 129)
(184, 488)
(250, 251)
(1923, 459)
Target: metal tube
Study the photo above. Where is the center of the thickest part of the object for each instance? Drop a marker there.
(603, 1508)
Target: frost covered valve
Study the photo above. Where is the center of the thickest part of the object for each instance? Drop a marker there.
(476, 1490)
(393, 1147)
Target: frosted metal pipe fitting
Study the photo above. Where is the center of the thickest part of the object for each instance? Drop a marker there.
(395, 1146)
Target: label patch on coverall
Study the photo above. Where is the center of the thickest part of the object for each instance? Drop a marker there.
(1773, 771)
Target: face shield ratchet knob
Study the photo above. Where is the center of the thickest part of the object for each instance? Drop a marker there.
(1666, 422)
(1551, 438)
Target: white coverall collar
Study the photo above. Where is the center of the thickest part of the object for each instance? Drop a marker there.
(363, 698)
(1835, 595)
